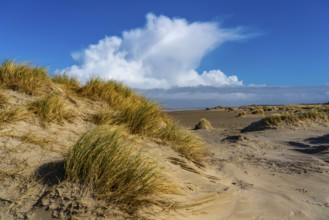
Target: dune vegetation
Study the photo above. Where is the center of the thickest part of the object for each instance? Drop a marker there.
(69, 82)
(13, 114)
(106, 159)
(203, 124)
(293, 118)
(3, 99)
(24, 77)
(52, 108)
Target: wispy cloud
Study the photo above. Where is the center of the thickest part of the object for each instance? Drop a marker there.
(164, 53)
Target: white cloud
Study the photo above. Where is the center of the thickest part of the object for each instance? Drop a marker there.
(164, 53)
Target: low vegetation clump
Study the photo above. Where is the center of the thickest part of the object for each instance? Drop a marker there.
(242, 113)
(3, 100)
(289, 118)
(103, 117)
(24, 78)
(183, 142)
(52, 108)
(144, 118)
(13, 114)
(314, 115)
(139, 115)
(67, 81)
(258, 111)
(203, 124)
(105, 160)
(112, 92)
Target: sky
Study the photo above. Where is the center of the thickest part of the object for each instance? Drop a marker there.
(183, 53)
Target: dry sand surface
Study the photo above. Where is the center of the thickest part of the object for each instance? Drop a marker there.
(272, 174)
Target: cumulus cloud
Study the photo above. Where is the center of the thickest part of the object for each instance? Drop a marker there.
(164, 53)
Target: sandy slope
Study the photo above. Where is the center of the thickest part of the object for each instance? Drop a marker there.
(272, 174)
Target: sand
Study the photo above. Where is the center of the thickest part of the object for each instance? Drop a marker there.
(271, 174)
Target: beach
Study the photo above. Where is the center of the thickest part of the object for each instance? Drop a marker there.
(272, 174)
(247, 170)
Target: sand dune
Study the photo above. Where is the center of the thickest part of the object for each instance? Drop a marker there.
(278, 173)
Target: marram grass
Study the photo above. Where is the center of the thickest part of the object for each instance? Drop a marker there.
(67, 81)
(203, 124)
(104, 116)
(106, 160)
(183, 141)
(52, 108)
(13, 114)
(24, 78)
(112, 92)
(3, 99)
(290, 118)
(143, 118)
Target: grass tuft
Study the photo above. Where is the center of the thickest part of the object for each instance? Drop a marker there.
(183, 142)
(13, 114)
(203, 124)
(143, 118)
(258, 111)
(103, 117)
(67, 81)
(3, 100)
(112, 92)
(290, 118)
(24, 78)
(52, 108)
(242, 113)
(105, 160)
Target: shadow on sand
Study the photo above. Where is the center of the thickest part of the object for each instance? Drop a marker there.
(51, 173)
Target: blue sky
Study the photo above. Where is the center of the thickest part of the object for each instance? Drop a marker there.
(281, 43)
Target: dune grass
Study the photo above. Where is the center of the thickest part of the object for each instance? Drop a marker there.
(105, 160)
(103, 117)
(141, 118)
(67, 81)
(258, 111)
(24, 78)
(13, 114)
(112, 92)
(289, 118)
(203, 124)
(183, 142)
(3, 99)
(242, 113)
(52, 108)
(314, 114)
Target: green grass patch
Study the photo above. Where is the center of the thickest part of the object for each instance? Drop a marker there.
(24, 78)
